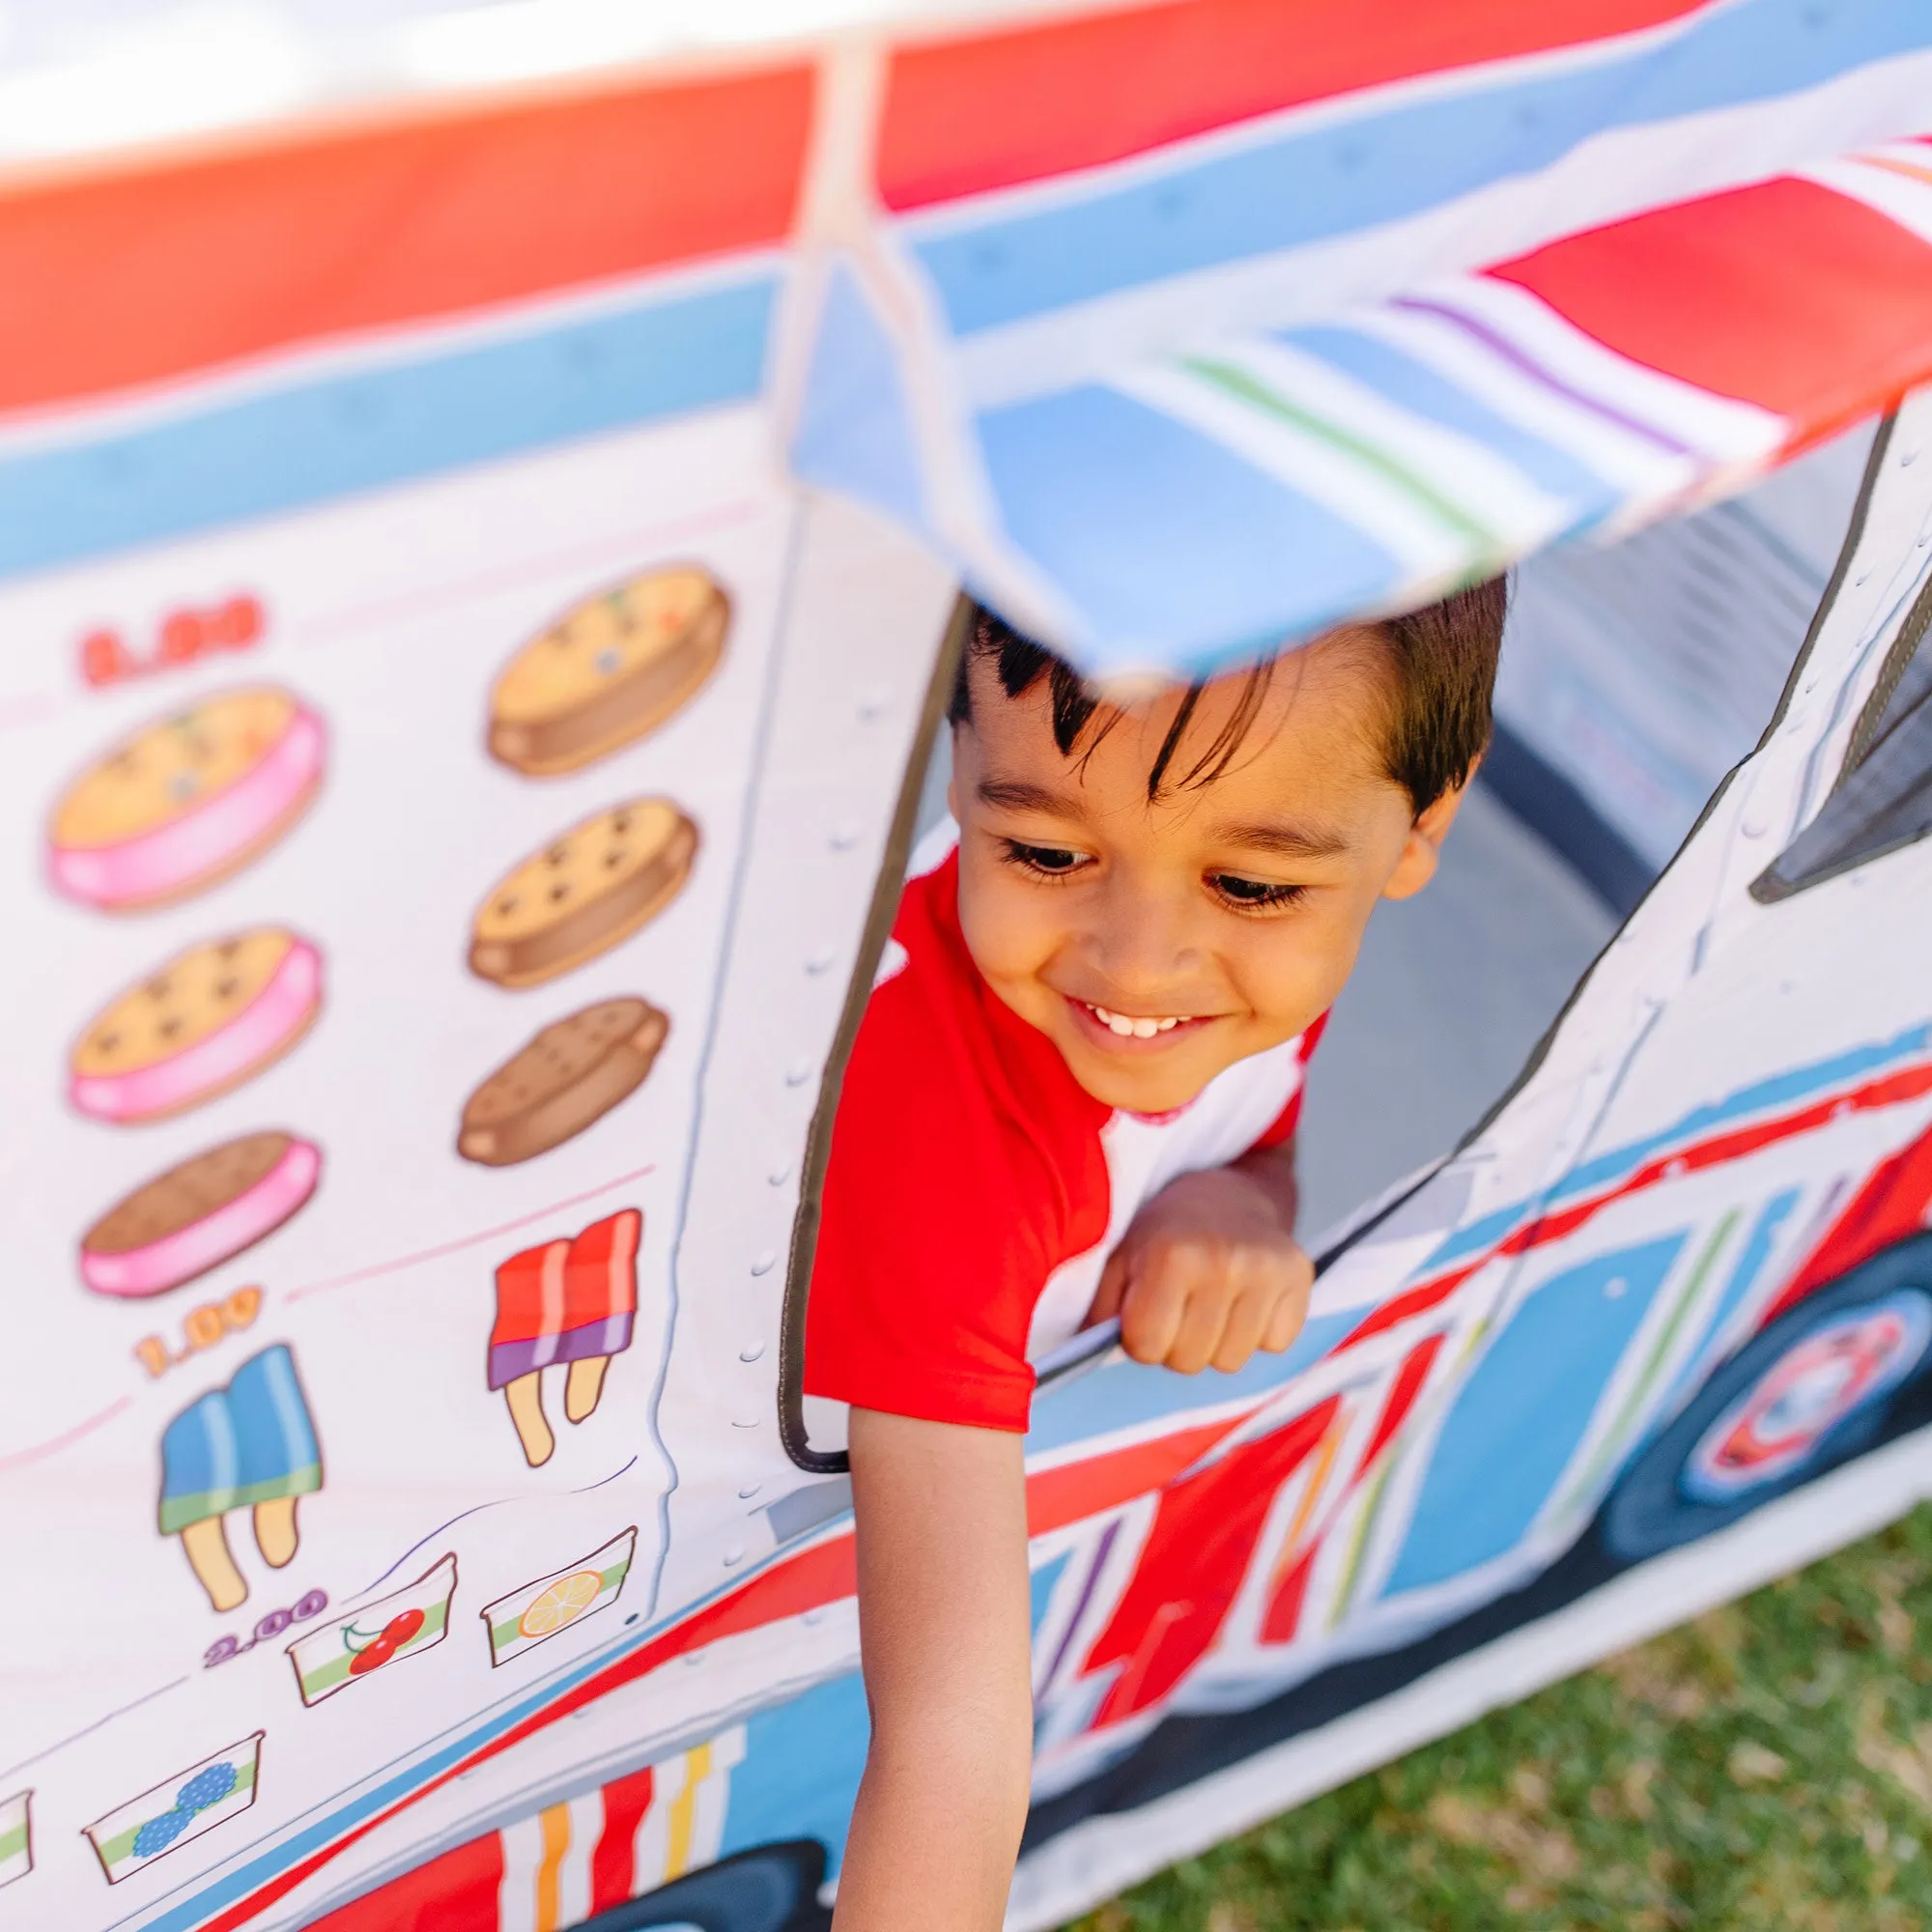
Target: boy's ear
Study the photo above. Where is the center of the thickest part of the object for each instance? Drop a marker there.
(1423, 850)
(958, 729)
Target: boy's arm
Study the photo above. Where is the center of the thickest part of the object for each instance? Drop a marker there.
(1209, 1270)
(945, 1635)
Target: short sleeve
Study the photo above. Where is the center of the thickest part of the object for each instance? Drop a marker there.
(948, 1197)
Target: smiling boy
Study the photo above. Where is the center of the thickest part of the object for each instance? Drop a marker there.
(1074, 1095)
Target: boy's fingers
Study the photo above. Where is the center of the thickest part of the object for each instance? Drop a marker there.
(1285, 1322)
(1202, 1317)
(1247, 1319)
(1153, 1302)
(1187, 1309)
(1290, 1308)
(1112, 1291)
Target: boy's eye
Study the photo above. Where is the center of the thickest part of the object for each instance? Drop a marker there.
(1253, 894)
(1054, 862)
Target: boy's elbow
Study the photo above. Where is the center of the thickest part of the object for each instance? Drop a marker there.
(972, 1739)
(981, 1729)
(979, 1776)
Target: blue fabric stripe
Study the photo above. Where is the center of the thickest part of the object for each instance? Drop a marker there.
(1045, 1580)
(331, 435)
(1108, 497)
(1393, 373)
(1380, 168)
(1750, 1264)
(855, 430)
(1781, 1091)
(800, 1773)
(1124, 1394)
(1524, 1412)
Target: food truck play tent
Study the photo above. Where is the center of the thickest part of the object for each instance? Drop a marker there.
(424, 1001)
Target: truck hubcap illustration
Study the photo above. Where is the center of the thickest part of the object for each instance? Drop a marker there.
(1800, 1399)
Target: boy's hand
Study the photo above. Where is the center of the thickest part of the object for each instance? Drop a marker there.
(1209, 1270)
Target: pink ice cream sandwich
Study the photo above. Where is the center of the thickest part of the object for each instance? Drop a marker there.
(199, 1214)
(208, 1020)
(187, 800)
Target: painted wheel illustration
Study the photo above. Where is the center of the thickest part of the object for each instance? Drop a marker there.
(773, 1889)
(563, 1602)
(1846, 1369)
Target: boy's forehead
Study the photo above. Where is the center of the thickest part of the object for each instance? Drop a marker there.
(1316, 725)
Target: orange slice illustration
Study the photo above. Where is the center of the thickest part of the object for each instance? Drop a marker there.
(563, 1602)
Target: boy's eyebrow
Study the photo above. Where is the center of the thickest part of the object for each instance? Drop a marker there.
(1016, 795)
(1287, 842)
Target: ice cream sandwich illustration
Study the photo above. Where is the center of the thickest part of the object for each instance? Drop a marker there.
(569, 1076)
(197, 1215)
(251, 1446)
(566, 1301)
(200, 1024)
(187, 800)
(583, 892)
(609, 671)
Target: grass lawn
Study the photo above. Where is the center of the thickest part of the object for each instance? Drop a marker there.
(1768, 1765)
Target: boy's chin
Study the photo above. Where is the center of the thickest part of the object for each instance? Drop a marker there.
(1143, 1087)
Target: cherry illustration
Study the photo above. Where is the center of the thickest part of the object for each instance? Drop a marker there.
(396, 1633)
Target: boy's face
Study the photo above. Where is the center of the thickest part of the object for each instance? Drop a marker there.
(1157, 944)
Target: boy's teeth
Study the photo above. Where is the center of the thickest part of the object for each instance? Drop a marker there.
(1135, 1029)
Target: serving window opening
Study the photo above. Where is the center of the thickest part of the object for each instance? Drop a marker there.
(1635, 676)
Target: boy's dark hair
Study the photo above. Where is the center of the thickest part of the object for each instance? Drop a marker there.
(1443, 664)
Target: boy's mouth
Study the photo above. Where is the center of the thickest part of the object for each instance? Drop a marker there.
(1133, 1029)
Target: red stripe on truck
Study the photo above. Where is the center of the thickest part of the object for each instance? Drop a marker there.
(994, 110)
(132, 276)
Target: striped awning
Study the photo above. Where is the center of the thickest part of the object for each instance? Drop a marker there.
(1189, 328)
(1181, 326)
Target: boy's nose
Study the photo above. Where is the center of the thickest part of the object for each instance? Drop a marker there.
(1144, 947)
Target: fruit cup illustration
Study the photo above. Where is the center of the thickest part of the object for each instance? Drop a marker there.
(553, 1603)
(177, 1810)
(16, 1836)
(187, 800)
(353, 1648)
(249, 1445)
(567, 1301)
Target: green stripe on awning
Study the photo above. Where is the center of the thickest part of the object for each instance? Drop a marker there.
(1247, 387)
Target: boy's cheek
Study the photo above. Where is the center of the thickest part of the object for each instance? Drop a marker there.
(1293, 978)
(1008, 920)
(1007, 930)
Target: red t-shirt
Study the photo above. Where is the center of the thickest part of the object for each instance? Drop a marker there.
(976, 1189)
